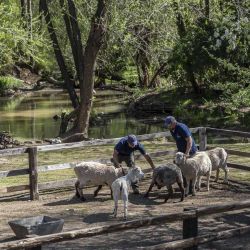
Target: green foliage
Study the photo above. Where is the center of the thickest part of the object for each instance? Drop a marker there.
(9, 82)
(217, 48)
(17, 44)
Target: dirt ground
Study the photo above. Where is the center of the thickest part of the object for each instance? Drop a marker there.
(97, 212)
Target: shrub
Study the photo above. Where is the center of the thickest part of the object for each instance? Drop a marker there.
(9, 82)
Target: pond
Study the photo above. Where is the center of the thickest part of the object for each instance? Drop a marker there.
(31, 117)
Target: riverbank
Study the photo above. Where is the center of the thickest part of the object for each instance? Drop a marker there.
(210, 109)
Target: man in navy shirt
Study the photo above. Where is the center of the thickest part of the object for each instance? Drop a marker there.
(184, 140)
(123, 151)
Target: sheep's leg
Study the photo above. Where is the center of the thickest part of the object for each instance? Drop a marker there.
(115, 208)
(193, 186)
(170, 193)
(79, 192)
(226, 170)
(208, 177)
(124, 195)
(180, 184)
(217, 175)
(97, 190)
(198, 183)
(76, 187)
(125, 204)
(111, 193)
(149, 189)
(187, 187)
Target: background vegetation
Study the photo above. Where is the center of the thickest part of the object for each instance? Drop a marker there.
(199, 48)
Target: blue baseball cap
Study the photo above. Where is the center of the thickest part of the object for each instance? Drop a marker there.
(132, 140)
(169, 120)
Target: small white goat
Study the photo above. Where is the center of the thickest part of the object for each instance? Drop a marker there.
(95, 173)
(218, 157)
(194, 168)
(120, 188)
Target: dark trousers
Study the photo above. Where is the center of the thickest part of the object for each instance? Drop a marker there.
(130, 162)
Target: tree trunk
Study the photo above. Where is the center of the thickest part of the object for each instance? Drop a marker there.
(94, 42)
(188, 65)
(69, 83)
(157, 73)
(142, 33)
(74, 34)
(207, 9)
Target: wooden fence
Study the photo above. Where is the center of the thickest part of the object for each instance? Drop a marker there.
(33, 169)
(189, 217)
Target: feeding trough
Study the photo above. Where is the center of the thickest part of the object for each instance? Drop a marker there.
(39, 225)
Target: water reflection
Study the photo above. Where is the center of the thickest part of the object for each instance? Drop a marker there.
(30, 117)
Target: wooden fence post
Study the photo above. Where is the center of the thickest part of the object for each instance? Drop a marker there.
(202, 139)
(190, 227)
(33, 174)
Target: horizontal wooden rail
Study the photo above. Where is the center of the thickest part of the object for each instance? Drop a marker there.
(157, 220)
(238, 166)
(82, 233)
(99, 142)
(238, 153)
(15, 172)
(14, 188)
(195, 241)
(69, 165)
(70, 182)
(223, 208)
(95, 142)
(13, 151)
(233, 152)
(229, 132)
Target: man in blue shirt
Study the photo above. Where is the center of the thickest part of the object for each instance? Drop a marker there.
(123, 151)
(183, 137)
(184, 140)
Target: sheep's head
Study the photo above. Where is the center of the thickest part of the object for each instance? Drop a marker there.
(136, 174)
(180, 158)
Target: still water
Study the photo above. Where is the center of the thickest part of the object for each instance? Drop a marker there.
(31, 117)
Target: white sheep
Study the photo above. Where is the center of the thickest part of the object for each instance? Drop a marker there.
(194, 168)
(167, 175)
(95, 173)
(121, 186)
(218, 157)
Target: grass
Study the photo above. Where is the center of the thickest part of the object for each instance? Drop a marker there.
(105, 152)
(9, 82)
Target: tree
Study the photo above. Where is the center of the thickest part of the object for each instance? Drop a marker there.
(58, 53)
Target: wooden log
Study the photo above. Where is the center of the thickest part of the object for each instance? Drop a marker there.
(229, 132)
(195, 241)
(202, 139)
(82, 233)
(190, 227)
(33, 174)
